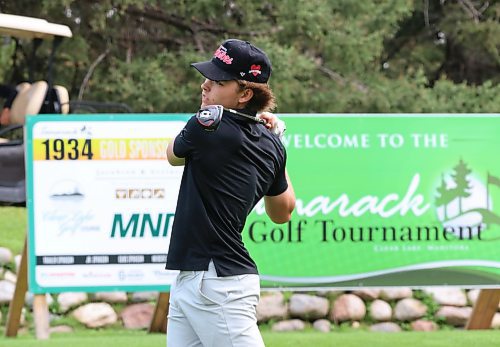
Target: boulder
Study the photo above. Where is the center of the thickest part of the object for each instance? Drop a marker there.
(347, 307)
(71, 299)
(17, 261)
(307, 307)
(95, 315)
(409, 309)
(322, 325)
(144, 296)
(495, 322)
(289, 325)
(447, 296)
(6, 291)
(10, 276)
(457, 316)
(272, 306)
(386, 327)
(137, 316)
(368, 294)
(424, 325)
(398, 293)
(5, 256)
(472, 295)
(380, 311)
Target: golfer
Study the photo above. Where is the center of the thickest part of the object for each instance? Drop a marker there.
(227, 170)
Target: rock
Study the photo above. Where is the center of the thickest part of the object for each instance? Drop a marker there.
(424, 325)
(323, 325)
(28, 299)
(347, 307)
(5, 256)
(457, 316)
(409, 309)
(387, 327)
(95, 315)
(137, 316)
(22, 319)
(112, 297)
(289, 325)
(495, 322)
(17, 261)
(472, 295)
(144, 296)
(447, 296)
(380, 311)
(395, 293)
(10, 276)
(329, 293)
(6, 291)
(70, 299)
(272, 306)
(355, 324)
(308, 306)
(61, 329)
(368, 294)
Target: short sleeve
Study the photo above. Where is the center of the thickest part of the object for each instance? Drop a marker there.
(187, 140)
(280, 183)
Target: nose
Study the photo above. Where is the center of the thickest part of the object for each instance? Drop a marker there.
(206, 84)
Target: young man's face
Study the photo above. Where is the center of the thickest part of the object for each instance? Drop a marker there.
(225, 93)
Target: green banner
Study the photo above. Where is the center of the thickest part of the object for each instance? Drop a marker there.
(386, 200)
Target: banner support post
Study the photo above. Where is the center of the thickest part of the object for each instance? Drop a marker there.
(484, 309)
(159, 320)
(17, 303)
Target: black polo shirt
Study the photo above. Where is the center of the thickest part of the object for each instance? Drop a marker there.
(226, 173)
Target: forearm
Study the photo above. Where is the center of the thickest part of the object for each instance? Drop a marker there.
(279, 208)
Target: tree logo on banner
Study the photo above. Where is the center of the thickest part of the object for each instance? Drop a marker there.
(464, 201)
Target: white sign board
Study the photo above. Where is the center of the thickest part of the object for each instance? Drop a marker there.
(101, 201)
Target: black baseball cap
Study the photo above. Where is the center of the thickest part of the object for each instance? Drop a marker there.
(236, 60)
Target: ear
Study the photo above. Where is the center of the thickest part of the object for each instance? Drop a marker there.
(245, 96)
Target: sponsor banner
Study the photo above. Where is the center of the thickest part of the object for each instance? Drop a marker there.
(382, 200)
(386, 200)
(101, 200)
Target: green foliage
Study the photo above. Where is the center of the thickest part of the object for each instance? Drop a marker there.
(328, 56)
(427, 300)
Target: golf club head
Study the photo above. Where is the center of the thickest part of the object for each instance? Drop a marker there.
(210, 117)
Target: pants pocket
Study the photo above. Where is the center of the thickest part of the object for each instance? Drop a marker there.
(213, 291)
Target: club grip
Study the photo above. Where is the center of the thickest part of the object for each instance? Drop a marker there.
(210, 117)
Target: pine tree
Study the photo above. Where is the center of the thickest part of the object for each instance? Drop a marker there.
(462, 183)
(444, 197)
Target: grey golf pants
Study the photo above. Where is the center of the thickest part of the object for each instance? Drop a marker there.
(210, 311)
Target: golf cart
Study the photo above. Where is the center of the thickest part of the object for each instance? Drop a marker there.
(25, 98)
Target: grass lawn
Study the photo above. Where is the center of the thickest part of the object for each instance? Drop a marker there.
(13, 228)
(349, 338)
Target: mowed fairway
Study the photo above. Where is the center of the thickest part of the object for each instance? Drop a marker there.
(292, 339)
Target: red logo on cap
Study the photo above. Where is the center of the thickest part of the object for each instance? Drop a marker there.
(221, 53)
(255, 70)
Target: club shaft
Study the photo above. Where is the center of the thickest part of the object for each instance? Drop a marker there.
(258, 120)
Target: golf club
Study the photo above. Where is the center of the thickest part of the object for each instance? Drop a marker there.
(210, 116)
